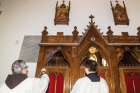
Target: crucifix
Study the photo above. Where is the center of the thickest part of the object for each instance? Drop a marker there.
(91, 17)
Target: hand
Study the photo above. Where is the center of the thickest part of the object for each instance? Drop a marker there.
(43, 71)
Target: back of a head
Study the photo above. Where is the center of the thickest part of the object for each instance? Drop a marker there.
(18, 65)
(90, 64)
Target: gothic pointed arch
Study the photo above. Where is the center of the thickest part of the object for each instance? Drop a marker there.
(93, 37)
(57, 58)
(73, 48)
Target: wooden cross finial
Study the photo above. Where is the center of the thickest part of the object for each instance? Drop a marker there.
(91, 17)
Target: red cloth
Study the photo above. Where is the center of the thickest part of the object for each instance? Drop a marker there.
(137, 83)
(132, 82)
(51, 88)
(101, 73)
(60, 83)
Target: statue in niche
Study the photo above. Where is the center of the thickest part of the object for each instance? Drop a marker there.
(95, 55)
(92, 55)
(120, 14)
(62, 14)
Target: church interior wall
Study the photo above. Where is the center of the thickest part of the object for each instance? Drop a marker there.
(28, 17)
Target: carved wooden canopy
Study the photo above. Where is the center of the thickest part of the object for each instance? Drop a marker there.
(68, 50)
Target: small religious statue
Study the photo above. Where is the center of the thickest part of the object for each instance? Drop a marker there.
(62, 14)
(120, 14)
(92, 55)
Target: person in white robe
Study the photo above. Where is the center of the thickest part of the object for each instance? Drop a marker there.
(92, 82)
(19, 82)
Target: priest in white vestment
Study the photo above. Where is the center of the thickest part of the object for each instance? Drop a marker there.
(92, 82)
(18, 82)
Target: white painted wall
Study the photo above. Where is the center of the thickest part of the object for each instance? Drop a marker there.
(28, 17)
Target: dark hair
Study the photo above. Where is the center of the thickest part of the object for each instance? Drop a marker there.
(90, 64)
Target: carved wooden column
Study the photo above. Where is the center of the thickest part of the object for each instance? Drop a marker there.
(75, 66)
(42, 52)
(114, 71)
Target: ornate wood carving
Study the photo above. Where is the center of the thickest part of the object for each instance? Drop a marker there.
(121, 39)
(130, 56)
(109, 34)
(44, 34)
(75, 47)
(75, 33)
(62, 14)
(119, 14)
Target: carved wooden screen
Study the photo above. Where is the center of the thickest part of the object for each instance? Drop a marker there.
(58, 66)
(75, 47)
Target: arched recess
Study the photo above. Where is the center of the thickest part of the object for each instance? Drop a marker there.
(93, 37)
(103, 71)
(57, 63)
(58, 58)
(74, 48)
